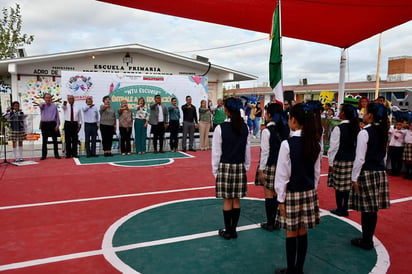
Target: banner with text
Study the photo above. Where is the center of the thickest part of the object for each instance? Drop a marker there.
(130, 87)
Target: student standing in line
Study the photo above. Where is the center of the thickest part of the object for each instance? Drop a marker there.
(296, 180)
(341, 154)
(91, 119)
(140, 126)
(272, 135)
(396, 144)
(17, 134)
(125, 128)
(407, 152)
(230, 162)
(370, 190)
(218, 112)
(107, 125)
(174, 124)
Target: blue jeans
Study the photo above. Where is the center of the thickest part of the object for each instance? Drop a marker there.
(256, 126)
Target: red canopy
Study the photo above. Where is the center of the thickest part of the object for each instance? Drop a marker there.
(340, 23)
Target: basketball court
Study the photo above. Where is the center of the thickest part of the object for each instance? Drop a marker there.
(156, 213)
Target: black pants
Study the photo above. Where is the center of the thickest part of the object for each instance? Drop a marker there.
(158, 134)
(70, 138)
(395, 154)
(174, 131)
(48, 129)
(90, 134)
(125, 133)
(107, 136)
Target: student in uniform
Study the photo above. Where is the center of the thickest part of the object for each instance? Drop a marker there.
(396, 144)
(230, 162)
(296, 180)
(370, 190)
(341, 154)
(272, 135)
(407, 152)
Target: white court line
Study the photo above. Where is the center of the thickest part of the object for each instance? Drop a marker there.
(110, 197)
(109, 251)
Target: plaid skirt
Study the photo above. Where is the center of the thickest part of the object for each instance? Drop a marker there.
(407, 152)
(341, 178)
(302, 210)
(373, 192)
(231, 181)
(15, 135)
(269, 174)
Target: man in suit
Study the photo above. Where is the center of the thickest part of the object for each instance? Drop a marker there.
(159, 122)
(72, 125)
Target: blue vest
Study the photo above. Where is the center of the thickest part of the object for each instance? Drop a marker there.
(375, 155)
(233, 145)
(303, 169)
(274, 145)
(347, 146)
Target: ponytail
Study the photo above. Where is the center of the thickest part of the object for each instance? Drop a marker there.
(308, 116)
(233, 106)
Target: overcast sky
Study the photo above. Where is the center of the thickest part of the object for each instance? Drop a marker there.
(68, 25)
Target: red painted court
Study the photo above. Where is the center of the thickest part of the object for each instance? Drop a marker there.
(54, 215)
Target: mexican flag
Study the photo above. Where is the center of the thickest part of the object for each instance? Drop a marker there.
(275, 61)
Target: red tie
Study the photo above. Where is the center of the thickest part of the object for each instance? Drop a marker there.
(71, 113)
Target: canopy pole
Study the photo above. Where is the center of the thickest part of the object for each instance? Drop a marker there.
(341, 89)
(378, 66)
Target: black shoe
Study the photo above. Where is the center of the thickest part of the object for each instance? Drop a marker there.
(95, 155)
(57, 157)
(359, 242)
(268, 227)
(155, 152)
(225, 234)
(339, 212)
(194, 150)
(184, 150)
(43, 158)
(88, 156)
(76, 156)
(162, 151)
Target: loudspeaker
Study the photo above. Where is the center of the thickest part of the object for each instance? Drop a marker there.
(289, 95)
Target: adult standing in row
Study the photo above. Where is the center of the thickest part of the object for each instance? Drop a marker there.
(174, 123)
(140, 126)
(107, 125)
(189, 123)
(205, 118)
(72, 125)
(49, 125)
(125, 127)
(91, 118)
(159, 121)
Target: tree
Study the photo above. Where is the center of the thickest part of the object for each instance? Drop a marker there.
(10, 37)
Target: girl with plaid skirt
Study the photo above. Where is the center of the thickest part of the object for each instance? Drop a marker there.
(341, 155)
(17, 129)
(275, 132)
(370, 190)
(230, 162)
(296, 181)
(407, 152)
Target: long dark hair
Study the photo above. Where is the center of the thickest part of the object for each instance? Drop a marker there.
(351, 114)
(380, 120)
(233, 106)
(275, 111)
(307, 115)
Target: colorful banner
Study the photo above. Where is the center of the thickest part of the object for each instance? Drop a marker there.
(131, 87)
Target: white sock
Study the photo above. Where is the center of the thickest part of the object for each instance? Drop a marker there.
(20, 152)
(15, 152)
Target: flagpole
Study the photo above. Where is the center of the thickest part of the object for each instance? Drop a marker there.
(378, 67)
(342, 71)
(280, 41)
